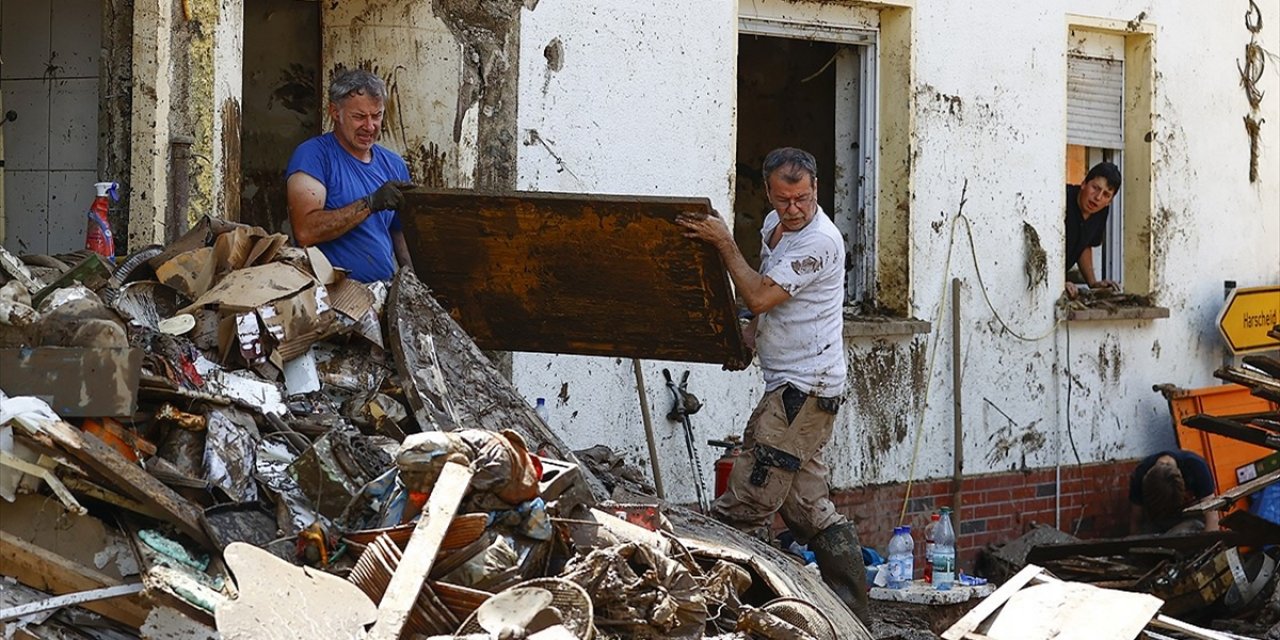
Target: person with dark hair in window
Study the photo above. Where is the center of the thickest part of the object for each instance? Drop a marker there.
(1164, 484)
(1088, 205)
(797, 297)
(344, 189)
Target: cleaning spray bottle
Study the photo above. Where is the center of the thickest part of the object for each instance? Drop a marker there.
(97, 236)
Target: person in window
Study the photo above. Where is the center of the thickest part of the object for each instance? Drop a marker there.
(344, 190)
(798, 298)
(1162, 486)
(1088, 205)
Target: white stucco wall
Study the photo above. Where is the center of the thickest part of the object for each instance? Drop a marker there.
(644, 104)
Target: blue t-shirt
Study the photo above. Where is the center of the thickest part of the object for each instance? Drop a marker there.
(366, 250)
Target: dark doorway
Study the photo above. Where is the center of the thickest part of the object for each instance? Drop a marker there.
(786, 98)
(282, 101)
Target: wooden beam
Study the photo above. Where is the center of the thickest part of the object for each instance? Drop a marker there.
(1200, 633)
(42, 569)
(1241, 520)
(1247, 378)
(130, 479)
(1265, 364)
(1233, 430)
(1194, 542)
(1229, 496)
(71, 599)
(420, 554)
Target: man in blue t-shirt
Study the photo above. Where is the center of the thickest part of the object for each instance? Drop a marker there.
(1165, 483)
(344, 190)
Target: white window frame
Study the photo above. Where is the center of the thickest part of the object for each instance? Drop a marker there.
(857, 149)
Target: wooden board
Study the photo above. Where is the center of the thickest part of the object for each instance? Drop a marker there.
(420, 554)
(48, 571)
(1073, 611)
(976, 616)
(560, 273)
(130, 479)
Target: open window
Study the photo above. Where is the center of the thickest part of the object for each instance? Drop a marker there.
(816, 78)
(1109, 119)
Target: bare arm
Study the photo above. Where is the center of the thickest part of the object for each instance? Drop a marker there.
(312, 224)
(1086, 270)
(759, 291)
(402, 249)
(1211, 520)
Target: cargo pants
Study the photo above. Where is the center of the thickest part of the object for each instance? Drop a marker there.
(780, 469)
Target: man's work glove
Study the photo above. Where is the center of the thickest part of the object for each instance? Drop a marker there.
(388, 196)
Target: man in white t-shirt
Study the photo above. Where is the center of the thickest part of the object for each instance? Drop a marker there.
(798, 298)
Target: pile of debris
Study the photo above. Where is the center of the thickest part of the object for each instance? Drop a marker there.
(227, 437)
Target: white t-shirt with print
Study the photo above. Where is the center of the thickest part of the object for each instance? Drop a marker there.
(800, 341)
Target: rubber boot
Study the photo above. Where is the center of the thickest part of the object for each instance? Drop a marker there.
(839, 559)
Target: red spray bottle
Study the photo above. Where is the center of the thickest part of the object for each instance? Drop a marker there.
(97, 236)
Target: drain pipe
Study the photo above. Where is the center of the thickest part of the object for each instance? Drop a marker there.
(957, 407)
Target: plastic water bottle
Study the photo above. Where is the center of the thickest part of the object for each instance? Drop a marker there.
(901, 558)
(929, 530)
(944, 552)
(543, 412)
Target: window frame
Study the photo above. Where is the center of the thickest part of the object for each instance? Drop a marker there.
(855, 194)
(1127, 248)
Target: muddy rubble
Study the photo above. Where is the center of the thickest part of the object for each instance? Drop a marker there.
(225, 437)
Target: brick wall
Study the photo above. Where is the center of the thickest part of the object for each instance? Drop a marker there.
(997, 507)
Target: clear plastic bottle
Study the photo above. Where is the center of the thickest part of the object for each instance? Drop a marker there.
(929, 530)
(944, 552)
(901, 558)
(543, 412)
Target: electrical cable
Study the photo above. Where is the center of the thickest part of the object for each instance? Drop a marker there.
(933, 350)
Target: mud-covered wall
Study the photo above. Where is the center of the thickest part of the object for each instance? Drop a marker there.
(640, 99)
(450, 68)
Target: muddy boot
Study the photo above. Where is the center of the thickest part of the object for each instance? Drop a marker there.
(840, 561)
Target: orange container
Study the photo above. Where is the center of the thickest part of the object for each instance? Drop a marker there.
(1223, 454)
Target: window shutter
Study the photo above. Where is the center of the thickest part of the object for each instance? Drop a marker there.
(1095, 96)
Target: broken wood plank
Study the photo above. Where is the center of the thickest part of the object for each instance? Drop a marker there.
(1200, 633)
(130, 479)
(75, 381)
(41, 569)
(1242, 520)
(1073, 611)
(420, 554)
(1234, 430)
(1193, 542)
(1265, 364)
(1229, 496)
(979, 613)
(85, 488)
(571, 273)
(70, 599)
(1260, 385)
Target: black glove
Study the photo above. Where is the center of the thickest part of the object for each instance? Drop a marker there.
(388, 196)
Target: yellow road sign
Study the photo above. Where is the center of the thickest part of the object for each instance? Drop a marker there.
(1247, 316)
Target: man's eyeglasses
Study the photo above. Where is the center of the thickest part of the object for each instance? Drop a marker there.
(782, 204)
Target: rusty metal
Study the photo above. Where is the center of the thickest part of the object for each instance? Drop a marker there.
(562, 273)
